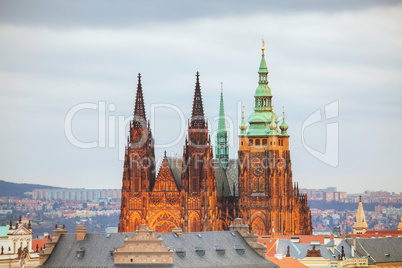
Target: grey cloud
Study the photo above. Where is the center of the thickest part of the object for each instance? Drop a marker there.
(126, 13)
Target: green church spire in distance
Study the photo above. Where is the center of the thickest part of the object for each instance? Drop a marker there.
(222, 149)
(222, 124)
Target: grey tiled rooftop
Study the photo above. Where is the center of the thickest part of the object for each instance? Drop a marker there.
(98, 248)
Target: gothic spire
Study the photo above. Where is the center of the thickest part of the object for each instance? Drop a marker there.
(360, 226)
(222, 125)
(197, 116)
(139, 110)
(222, 149)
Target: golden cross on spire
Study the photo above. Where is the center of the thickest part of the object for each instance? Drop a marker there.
(263, 45)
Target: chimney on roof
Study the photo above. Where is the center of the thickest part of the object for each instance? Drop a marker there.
(81, 231)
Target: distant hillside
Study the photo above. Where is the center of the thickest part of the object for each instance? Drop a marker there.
(18, 189)
(340, 206)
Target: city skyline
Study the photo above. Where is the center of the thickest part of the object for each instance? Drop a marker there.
(53, 63)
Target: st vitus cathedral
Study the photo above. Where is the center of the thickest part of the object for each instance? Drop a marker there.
(201, 193)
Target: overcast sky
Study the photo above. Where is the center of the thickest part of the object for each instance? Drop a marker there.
(58, 56)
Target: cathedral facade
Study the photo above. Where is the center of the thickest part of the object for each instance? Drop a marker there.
(201, 193)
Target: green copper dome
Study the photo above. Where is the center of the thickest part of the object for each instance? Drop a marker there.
(262, 117)
(260, 123)
(243, 125)
(263, 91)
(273, 128)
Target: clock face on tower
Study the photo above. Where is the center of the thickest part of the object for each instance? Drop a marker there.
(257, 171)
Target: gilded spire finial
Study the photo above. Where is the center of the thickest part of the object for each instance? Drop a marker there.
(263, 45)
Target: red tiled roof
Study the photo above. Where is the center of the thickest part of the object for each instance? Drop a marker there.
(287, 262)
(271, 245)
(40, 242)
(376, 233)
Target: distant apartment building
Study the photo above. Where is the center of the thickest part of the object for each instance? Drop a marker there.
(381, 197)
(329, 194)
(39, 194)
(335, 196)
(93, 195)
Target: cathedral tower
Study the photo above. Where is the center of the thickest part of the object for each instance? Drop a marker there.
(198, 184)
(139, 167)
(268, 201)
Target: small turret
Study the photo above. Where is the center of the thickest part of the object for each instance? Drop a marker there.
(273, 125)
(284, 127)
(243, 125)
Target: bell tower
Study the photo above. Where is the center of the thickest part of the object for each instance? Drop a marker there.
(268, 201)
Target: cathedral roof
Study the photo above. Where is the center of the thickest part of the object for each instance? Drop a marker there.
(221, 180)
(232, 175)
(175, 165)
(225, 178)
